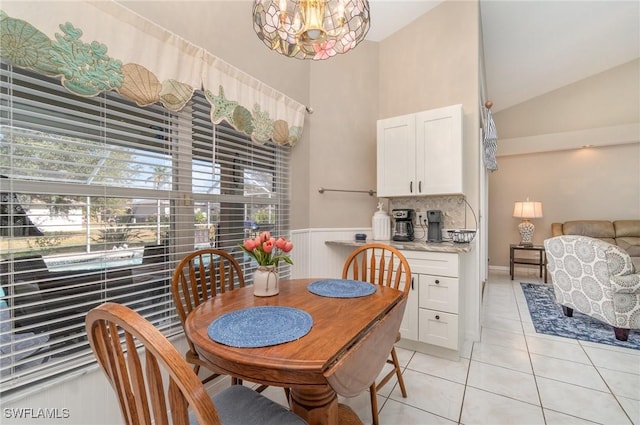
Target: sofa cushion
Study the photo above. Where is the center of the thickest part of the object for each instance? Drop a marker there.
(631, 245)
(627, 228)
(601, 229)
(623, 233)
(628, 236)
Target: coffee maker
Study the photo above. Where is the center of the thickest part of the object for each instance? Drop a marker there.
(434, 221)
(403, 226)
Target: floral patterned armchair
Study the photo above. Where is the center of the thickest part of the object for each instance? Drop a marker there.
(595, 278)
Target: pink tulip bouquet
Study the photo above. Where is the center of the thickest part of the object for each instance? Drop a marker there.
(267, 250)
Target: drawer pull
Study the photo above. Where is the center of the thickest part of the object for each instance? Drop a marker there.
(437, 317)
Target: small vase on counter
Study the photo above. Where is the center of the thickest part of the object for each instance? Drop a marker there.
(265, 281)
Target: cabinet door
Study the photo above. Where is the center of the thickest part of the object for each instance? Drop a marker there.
(439, 151)
(439, 328)
(396, 156)
(409, 325)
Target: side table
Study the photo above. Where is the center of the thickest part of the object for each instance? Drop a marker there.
(541, 261)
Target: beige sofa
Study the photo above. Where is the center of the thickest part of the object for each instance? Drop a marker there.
(623, 233)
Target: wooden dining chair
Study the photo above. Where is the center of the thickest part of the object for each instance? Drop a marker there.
(155, 385)
(381, 264)
(199, 276)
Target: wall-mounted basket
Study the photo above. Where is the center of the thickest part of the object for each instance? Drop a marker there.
(465, 235)
(462, 236)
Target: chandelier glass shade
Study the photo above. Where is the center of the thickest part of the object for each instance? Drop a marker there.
(311, 29)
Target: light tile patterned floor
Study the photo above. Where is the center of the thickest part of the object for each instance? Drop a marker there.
(512, 376)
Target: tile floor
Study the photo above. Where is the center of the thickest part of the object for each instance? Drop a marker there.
(511, 376)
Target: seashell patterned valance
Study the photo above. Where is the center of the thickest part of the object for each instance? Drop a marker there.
(95, 47)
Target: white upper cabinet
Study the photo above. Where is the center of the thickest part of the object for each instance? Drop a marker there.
(396, 156)
(421, 154)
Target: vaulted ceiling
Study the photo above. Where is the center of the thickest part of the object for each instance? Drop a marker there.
(533, 47)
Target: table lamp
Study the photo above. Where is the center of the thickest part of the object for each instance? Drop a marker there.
(526, 210)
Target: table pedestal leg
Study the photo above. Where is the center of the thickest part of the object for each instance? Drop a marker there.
(317, 406)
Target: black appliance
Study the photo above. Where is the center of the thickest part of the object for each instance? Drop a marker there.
(434, 222)
(403, 224)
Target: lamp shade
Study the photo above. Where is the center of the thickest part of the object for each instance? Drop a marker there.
(527, 209)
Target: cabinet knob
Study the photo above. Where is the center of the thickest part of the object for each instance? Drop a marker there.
(437, 317)
(437, 281)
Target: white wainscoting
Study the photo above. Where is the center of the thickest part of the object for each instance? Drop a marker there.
(313, 258)
(88, 396)
(82, 399)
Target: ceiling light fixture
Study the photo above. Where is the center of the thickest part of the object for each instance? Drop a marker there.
(311, 29)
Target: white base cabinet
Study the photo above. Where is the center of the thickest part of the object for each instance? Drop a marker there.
(433, 309)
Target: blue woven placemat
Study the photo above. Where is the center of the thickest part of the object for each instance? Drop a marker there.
(341, 288)
(260, 326)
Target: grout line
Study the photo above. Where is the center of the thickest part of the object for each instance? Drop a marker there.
(466, 379)
(501, 285)
(526, 344)
(606, 383)
(582, 347)
(573, 416)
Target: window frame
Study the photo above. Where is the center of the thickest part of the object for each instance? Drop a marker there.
(181, 195)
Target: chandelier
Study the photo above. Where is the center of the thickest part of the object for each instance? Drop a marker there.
(311, 29)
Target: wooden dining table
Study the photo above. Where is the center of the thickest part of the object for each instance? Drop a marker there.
(342, 354)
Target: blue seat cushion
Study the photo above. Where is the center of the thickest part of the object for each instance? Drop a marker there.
(240, 405)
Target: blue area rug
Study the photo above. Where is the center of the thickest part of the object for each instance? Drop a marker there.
(548, 319)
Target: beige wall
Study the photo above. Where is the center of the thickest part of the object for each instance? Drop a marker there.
(595, 183)
(602, 182)
(343, 134)
(432, 63)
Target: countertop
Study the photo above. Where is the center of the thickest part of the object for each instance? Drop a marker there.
(451, 247)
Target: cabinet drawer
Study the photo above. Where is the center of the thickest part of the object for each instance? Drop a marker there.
(439, 293)
(436, 263)
(438, 328)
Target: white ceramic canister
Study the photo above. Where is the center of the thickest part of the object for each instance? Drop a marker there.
(381, 225)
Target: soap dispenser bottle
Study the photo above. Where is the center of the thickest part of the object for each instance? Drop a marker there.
(381, 225)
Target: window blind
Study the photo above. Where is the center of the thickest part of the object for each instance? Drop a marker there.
(250, 183)
(100, 199)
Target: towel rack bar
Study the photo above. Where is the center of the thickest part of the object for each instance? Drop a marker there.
(370, 192)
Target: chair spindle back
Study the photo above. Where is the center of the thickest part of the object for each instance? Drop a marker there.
(379, 264)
